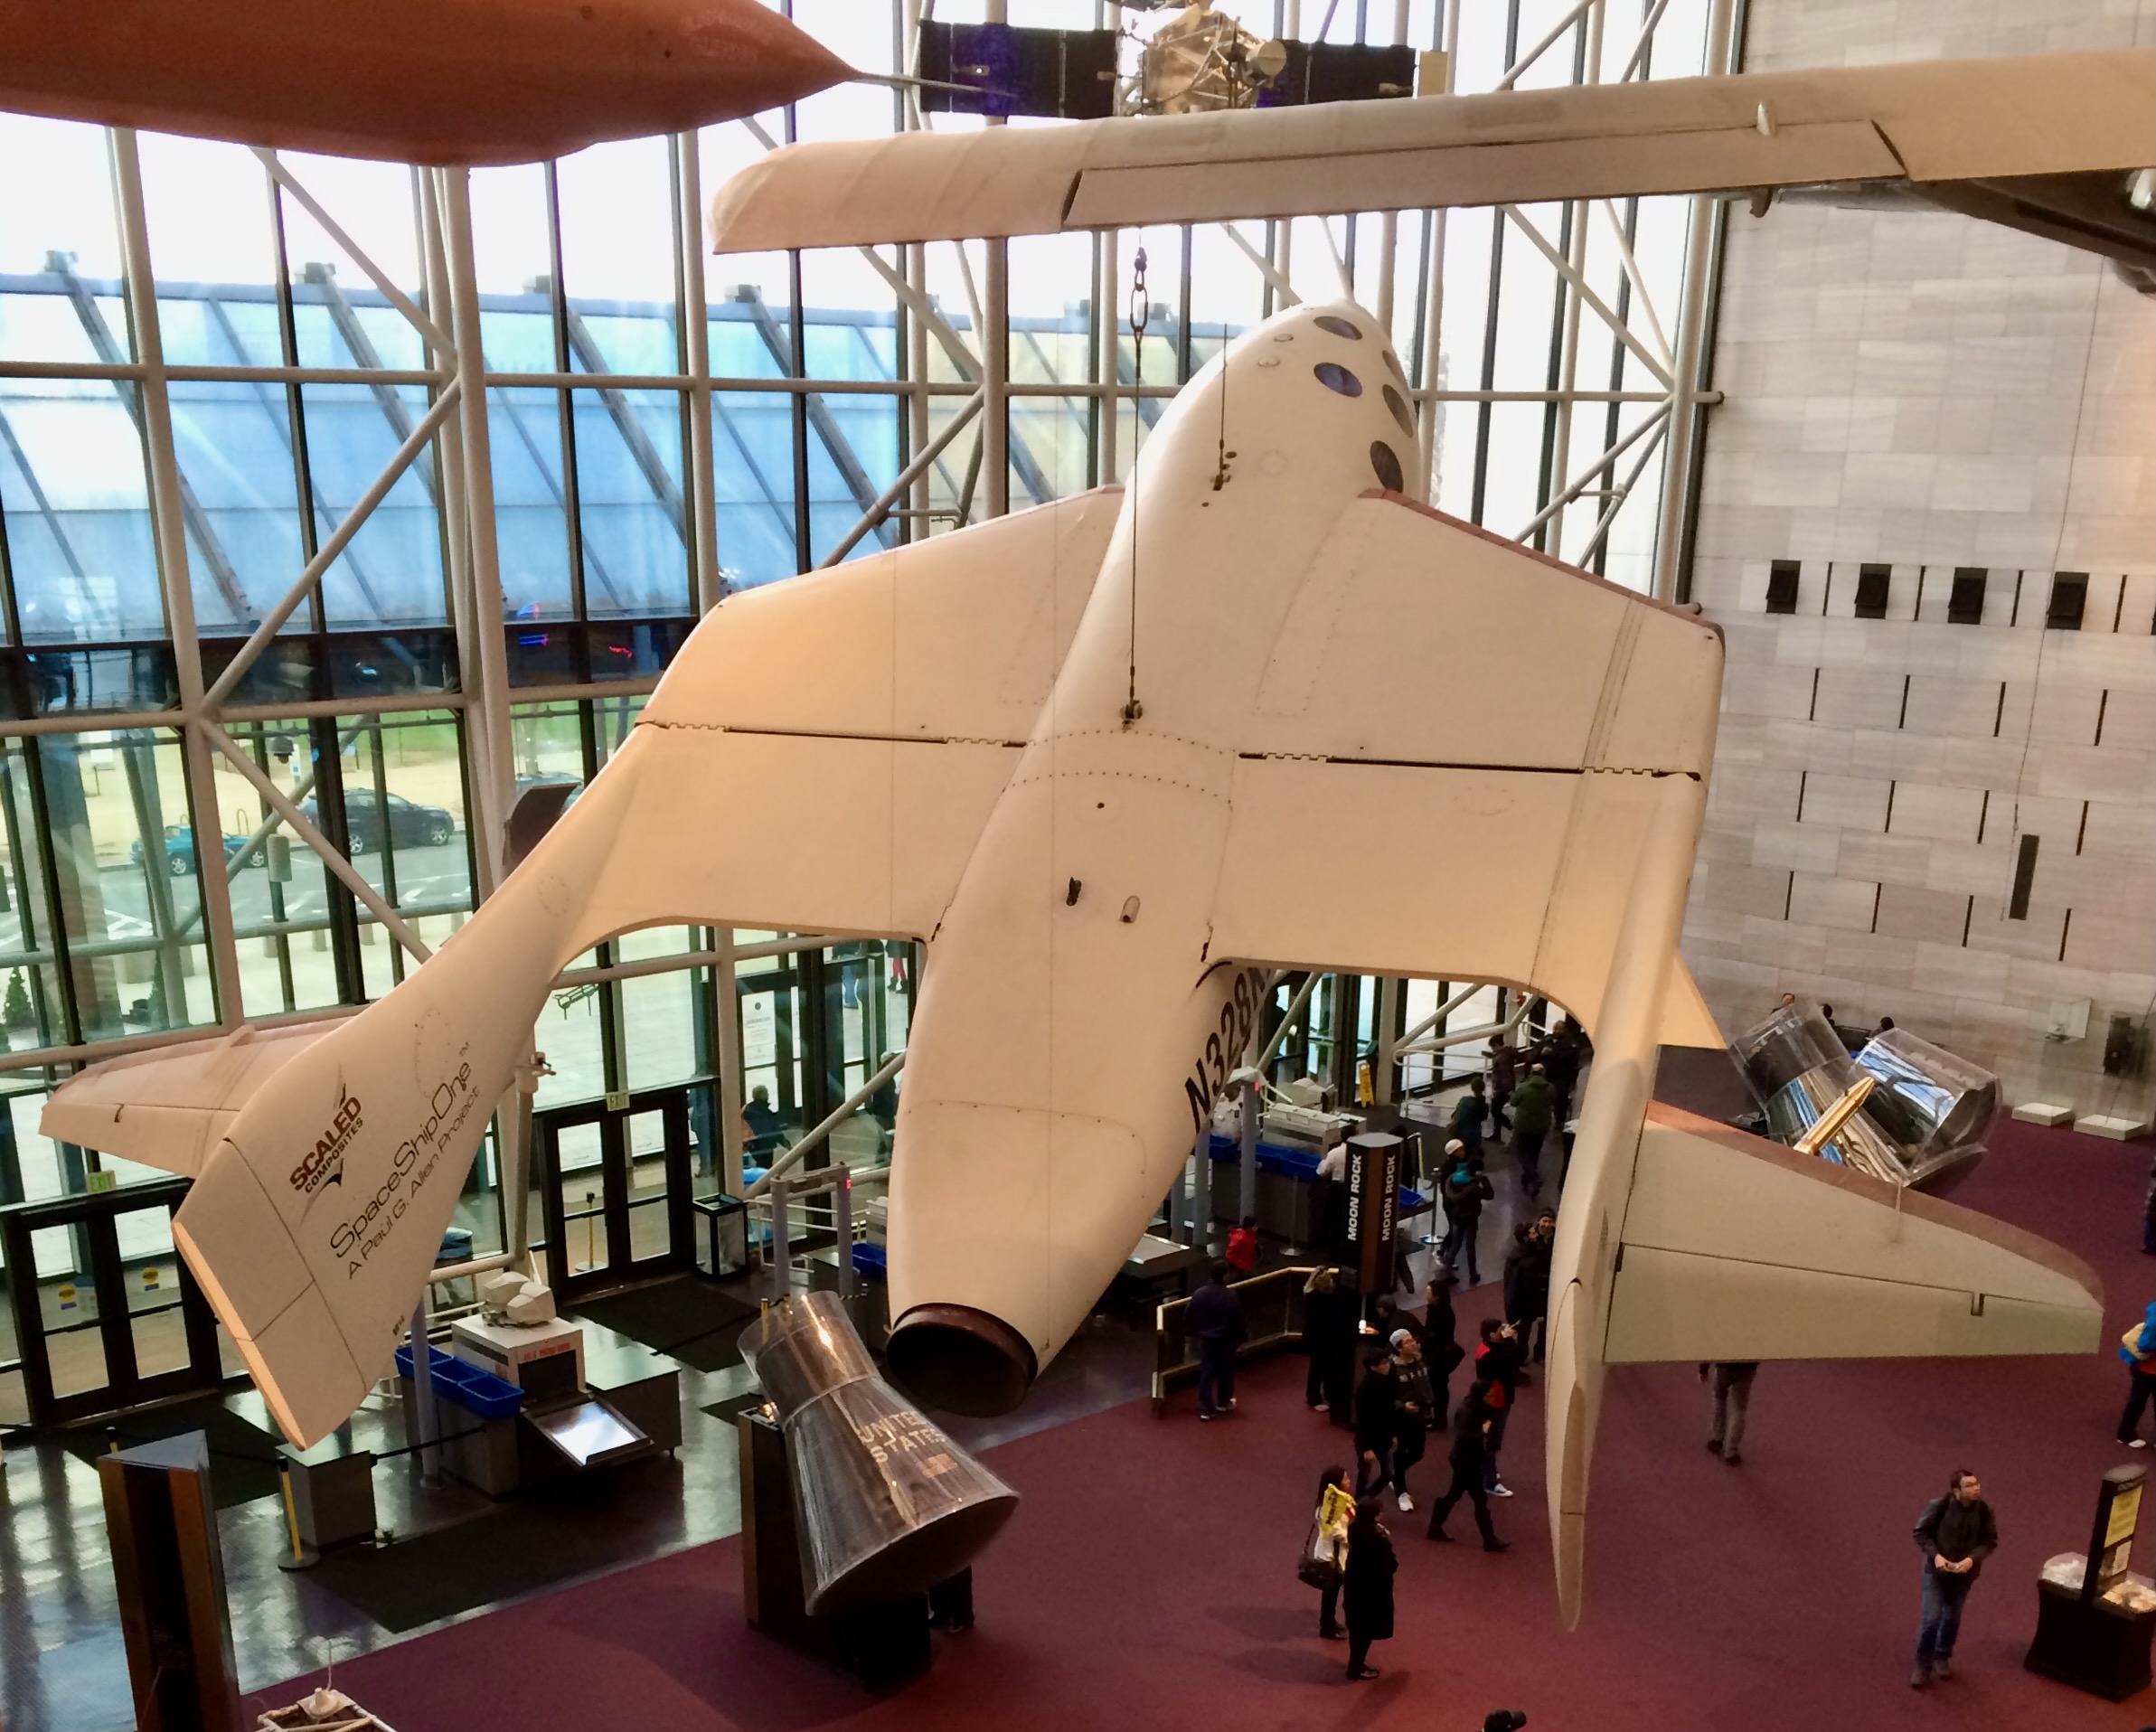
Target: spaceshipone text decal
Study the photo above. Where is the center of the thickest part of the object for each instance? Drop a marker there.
(1223, 1049)
(324, 1164)
(367, 1229)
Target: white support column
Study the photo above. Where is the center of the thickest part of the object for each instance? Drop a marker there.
(1577, 256)
(488, 682)
(995, 377)
(706, 585)
(1678, 479)
(995, 353)
(1388, 223)
(1382, 1089)
(726, 980)
(196, 752)
(1433, 327)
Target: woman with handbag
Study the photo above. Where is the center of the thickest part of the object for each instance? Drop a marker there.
(1325, 1553)
(1368, 1583)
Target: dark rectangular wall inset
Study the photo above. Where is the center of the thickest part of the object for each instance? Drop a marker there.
(1781, 586)
(1965, 601)
(1873, 581)
(2017, 906)
(2070, 598)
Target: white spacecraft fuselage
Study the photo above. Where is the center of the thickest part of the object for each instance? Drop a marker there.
(1369, 738)
(1060, 1102)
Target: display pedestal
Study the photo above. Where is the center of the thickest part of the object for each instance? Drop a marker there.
(2100, 1647)
(881, 1645)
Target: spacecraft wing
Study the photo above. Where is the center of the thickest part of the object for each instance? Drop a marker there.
(1739, 1248)
(1482, 808)
(822, 756)
(1916, 122)
(169, 1107)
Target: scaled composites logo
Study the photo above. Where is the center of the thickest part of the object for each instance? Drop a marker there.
(324, 1164)
(368, 1224)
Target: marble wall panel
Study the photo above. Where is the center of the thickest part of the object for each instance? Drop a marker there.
(1851, 802)
(1817, 900)
(1894, 860)
(1938, 814)
(1989, 400)
(1934, 916)
(2125, 833)
(1797, 847)
(1759, 890)
(1860, 697)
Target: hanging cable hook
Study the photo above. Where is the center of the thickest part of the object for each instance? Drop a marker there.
(1140, 316)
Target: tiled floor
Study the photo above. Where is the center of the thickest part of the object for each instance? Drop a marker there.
(62, 1667)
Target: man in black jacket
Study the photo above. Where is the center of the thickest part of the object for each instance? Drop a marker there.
(1955, 1533)
(1377, 1419)
(1471, 1431)
(1215, 1321)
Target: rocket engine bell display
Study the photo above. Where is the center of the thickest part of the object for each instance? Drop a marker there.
(885, 1503)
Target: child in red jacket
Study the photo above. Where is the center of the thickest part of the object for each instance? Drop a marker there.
(1242, 1246)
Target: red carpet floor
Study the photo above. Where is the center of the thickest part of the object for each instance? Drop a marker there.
(1148, 1579)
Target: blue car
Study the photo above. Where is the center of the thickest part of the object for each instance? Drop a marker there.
(179, 851)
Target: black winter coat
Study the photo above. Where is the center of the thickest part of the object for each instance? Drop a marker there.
(1375, 1411)
(1367, 1593)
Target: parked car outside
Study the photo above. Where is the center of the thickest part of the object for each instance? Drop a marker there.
(410, 824)
(179, 851)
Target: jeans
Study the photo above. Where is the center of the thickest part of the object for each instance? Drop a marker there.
(1329, 1608)
(1372, 1469)
(1492, 1444)
(1460, 1235)
(1466, 1484)
(2137, 1402)
(1407, 1450)
(1942, 1599)
(1216, 1376)
(1527, 1147)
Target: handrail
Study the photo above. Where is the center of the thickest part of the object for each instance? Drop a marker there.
(845, 1110)
(1294, 1277)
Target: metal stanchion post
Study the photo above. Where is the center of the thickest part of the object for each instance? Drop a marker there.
(422, 1397)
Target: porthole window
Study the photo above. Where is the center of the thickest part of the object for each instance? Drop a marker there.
(1333, 377)
(1399, 405)
(1388, 465)
(1393, 361)
(1338, 326)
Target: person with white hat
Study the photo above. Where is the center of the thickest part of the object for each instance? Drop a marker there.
(1415, 1409)
(1464, 1189)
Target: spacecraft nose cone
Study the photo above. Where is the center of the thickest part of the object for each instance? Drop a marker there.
(960, 1361)
(759, 58)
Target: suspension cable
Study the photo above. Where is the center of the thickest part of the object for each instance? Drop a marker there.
(1140, 316)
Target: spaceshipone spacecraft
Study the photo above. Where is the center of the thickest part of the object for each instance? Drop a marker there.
(1110, 759)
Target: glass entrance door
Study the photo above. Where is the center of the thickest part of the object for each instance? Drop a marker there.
(107, 1316)
(614, 1191)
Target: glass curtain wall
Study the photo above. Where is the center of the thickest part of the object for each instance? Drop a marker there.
(207, 359)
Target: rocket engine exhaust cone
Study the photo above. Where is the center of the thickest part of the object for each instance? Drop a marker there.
(961, 1360)
(886, 1505)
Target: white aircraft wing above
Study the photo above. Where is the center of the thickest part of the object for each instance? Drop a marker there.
(1916, 123)
(1454, 779)
(843, 735)
(168, 1108)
